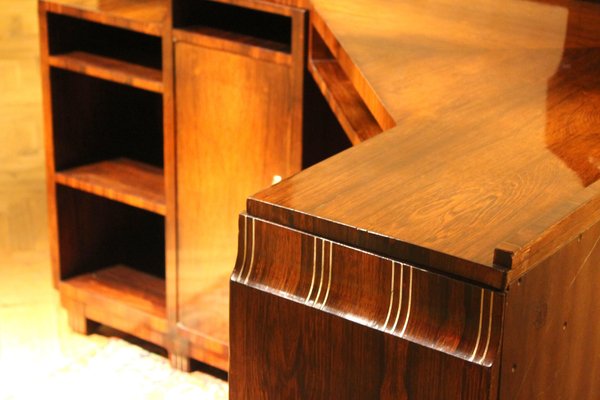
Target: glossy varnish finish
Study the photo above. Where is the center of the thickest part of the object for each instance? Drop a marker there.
(237, 106)
(145, 16)
(489, 180)
(104, 154)
(480, 148)
(342, 322)
(552, 336)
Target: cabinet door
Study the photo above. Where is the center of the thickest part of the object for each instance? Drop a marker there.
(233, 136)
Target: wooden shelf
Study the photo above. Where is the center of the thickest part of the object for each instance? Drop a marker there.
(345, 102)
(144, 16)
(127, 181)
(208, 314)
(125, 298)
(110, 69)
(247, 45)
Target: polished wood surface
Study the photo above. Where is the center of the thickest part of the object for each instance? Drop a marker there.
(122, 297)
(124, 180)
(226, 104)
(467, 172)
(471, 225)
(381, 337)
(146, 16)
(110, 69)
(103, 84)
(552, 336)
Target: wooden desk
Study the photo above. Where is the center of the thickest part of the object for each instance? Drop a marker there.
(455, 255)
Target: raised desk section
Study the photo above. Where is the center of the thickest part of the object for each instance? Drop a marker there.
(454, 256)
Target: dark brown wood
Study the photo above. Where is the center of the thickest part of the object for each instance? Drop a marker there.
(110, 69)
(347, 63)
(353, 115)
(552, 336)
(488, 183)
(507, 114)
(123, 180)
(381, 337)
(346, 103)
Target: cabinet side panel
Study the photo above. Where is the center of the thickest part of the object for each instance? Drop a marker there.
(551, 345)
(233, 125)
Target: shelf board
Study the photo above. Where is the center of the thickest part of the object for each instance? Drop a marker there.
(345, 102)
(144, 16)
(110, 69)
(127, 181)
(204, 321)
(121, 297)
(262, 49)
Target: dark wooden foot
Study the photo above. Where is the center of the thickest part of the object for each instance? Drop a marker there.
(180, 362)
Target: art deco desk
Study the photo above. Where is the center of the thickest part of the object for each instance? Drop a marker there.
(455, 255)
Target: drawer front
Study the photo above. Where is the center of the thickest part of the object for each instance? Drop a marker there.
(418, 322)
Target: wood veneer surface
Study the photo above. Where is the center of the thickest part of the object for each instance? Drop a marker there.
(145, 16)
(496, 142)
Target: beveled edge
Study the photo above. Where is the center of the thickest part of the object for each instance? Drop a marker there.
(491, 276)
(360, 82)
(530, 245)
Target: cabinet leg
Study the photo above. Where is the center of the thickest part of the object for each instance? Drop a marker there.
(80, 324)
(180, 362)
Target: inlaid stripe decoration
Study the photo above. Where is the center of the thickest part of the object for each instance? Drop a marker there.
(488, 327)
(245, 246)
(314, 270)
(410, 287)
(399, 299)
(252, 242)
(324, 270)
(389, 313)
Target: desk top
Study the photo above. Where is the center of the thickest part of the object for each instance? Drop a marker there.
(495, 157)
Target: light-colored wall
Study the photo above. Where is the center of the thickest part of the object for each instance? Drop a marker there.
(22, 186)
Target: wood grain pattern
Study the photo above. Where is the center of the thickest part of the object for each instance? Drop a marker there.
(110, 69)
(226, 104)
(552, 336)
(399, 299)
(123, 180)
(236, 43)
(122, 297)
(440, 174)
(145, 16)
(312, 354)
(356, 119)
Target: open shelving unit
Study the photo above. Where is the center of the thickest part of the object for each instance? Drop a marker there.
(103, 78)
(162, 117)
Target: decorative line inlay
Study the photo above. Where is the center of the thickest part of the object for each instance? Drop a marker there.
(251, 254)
(480, 324)
(329, 279)
(312, 283)
(399, 297)
(489, 334)
(322, 271)
(409, 302)
(245, 245)
(389, 314)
